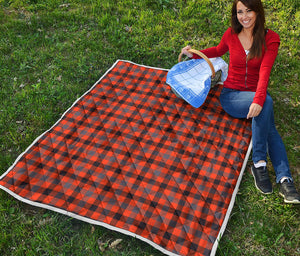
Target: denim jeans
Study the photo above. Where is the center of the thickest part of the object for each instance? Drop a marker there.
(265, 138)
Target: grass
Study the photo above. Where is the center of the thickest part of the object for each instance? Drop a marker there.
(53, 51)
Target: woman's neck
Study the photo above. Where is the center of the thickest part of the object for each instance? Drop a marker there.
(247, 32)
(246, 38)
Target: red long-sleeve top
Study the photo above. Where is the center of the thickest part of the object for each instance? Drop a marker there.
(246, 75)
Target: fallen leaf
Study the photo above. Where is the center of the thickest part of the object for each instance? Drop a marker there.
(45, 221)
(64, 5)
(128, 29)
(92, 229)
(115, 243)
(103, 245)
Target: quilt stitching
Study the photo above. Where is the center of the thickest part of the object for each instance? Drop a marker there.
(133, 157)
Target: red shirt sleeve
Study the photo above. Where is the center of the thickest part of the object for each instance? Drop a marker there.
(272, 43)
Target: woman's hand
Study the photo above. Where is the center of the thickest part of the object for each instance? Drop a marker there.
(185, 51)
(254, 110)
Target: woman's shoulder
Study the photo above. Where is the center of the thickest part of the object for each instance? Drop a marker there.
(229, 30)
(228, 33)
(272, 37)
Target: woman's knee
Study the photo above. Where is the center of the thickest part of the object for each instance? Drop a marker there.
(268, 105)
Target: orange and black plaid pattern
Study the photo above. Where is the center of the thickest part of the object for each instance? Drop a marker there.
(132, 155)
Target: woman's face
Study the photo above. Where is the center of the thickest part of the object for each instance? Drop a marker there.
(245, 16)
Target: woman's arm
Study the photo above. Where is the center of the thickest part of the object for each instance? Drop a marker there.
(265, 71)
(270, 55)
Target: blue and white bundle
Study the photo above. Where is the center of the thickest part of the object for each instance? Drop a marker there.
(191, 79)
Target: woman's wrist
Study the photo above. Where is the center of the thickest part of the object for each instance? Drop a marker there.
(190, 55)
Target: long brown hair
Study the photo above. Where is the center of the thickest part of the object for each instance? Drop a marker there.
(259, 27)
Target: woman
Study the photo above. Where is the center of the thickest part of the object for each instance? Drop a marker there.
(253, 50)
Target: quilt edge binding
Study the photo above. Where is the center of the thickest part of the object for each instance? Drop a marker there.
(125, 232)
(94, 222)
(232, 201)
(87, 220)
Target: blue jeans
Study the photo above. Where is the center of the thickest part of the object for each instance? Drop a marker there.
(265, 138)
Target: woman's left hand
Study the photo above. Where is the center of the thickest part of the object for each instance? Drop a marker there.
(185, 51)
(254, 110)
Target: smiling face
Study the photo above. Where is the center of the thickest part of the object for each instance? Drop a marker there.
(245, 16)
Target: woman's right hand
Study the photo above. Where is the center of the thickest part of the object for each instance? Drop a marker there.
(184, 51)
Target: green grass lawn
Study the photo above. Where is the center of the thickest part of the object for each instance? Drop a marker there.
(52, 51)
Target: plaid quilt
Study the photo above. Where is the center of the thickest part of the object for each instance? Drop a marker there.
(131, 156)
